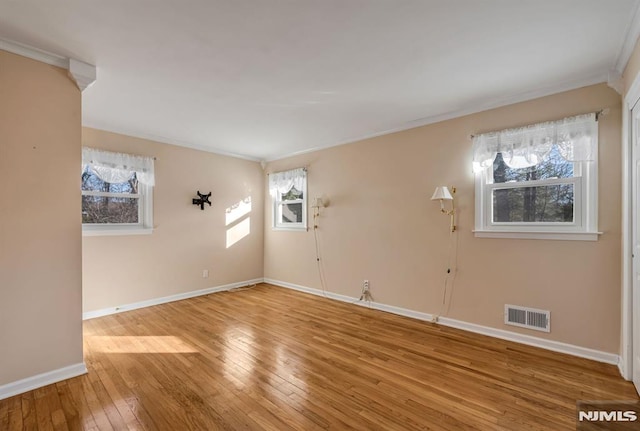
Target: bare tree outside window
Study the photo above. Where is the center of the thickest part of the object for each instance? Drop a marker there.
(109, 203)
(540, 203)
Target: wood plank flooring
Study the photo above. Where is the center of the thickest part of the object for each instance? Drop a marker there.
(269, 358)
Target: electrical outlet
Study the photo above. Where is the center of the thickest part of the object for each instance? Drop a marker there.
(205, 273)
(366, 294)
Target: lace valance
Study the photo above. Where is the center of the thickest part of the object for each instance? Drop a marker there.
(284, 181)
(522, 147)
(118, 167)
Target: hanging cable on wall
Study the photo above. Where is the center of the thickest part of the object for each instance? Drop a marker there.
(443, 194)
(317, 204)
(450, 277)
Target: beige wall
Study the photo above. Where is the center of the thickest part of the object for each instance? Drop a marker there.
(381, 226)
(119, 270)
(40, 242)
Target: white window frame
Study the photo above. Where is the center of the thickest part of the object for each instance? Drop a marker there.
(276, 211)
(145, 215)
(585, 206)
(123, 163)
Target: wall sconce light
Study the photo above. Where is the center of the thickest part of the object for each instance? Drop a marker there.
(316, 204)
(442, 194)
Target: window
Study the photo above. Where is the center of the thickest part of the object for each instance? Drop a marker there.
(289, 193)
(116, 193)
(538, 181)
(104, 202)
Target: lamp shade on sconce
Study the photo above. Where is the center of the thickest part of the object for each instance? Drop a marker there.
(441, 193)
(318, 203)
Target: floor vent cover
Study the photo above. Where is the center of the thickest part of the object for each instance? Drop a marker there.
(525, 317)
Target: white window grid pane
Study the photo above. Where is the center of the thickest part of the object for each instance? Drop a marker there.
(118, 195)
(279, 202)
(577, 212)
(144, 207)
(280, 214)
(578, 204)
(585, 205)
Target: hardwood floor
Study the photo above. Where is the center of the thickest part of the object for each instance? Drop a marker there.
(274, 359)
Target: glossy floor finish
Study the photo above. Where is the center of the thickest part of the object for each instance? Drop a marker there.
(268, 358)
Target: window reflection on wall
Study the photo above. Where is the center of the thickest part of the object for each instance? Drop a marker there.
(238, 221)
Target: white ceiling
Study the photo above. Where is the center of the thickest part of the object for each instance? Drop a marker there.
(268, 78)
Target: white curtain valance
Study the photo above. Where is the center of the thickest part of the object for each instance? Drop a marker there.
(284, 181)
(118, 167)
(522, 147)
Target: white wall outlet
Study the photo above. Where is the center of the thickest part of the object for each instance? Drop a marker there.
(205, 273)
(365, 285)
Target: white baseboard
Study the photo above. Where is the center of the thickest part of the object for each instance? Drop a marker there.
(40, 380)
(310, 290)
(165, 299)
(555, 346)
(623, 371)
(375, 305)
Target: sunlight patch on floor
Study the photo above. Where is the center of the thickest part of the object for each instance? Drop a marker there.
(238, 356)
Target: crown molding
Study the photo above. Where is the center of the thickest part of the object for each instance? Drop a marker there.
(163, 140)
(34, 53)
(473, 108)
(629, 42)
(616, 82)
(83, 74)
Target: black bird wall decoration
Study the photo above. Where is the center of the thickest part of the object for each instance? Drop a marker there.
(202, 199)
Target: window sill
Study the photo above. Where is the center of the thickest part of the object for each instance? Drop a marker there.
(561, 236)
(116, 231)
(290, 229)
